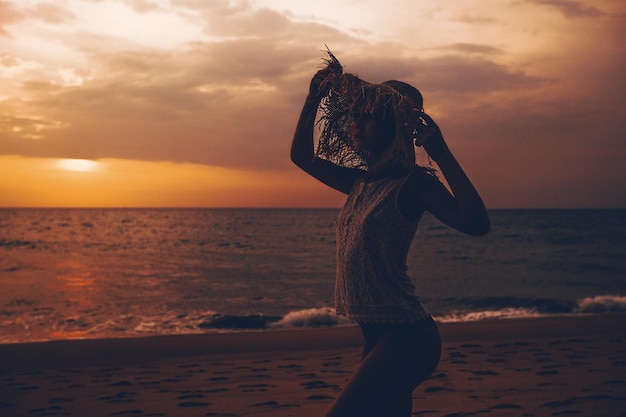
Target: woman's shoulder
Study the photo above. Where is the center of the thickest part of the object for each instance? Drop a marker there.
(414, 185)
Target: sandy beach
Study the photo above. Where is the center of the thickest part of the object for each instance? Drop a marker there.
(557, 366)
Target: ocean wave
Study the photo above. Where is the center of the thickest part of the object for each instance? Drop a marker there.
(602, 304)
(505, 313)
(48, 326)
(495, 308)
(471, 309)
(234, 322)
(491, 303)
(312, 317)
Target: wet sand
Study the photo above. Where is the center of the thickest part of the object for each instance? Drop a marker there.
(560, 366)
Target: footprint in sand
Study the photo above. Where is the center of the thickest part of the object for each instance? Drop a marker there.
(287, 406)
(121, 384)
(216, 390)
(190, 396)
(120, 397)
(265, 404)
(29, 388)
(319, 397)
(484, 373)
(188, 404)
(456, 358)
(148, 382)
(218, 378)
(127, 413)
(291, 366)
(506, 406)
(547, 372)
(550, 370)
(475, 349)
(542, 357)
(436, 388)
(189, 365)
(255, 387)
(170, 380)
(54, 410)
(59, 400)
(557, 404)
(192, 370)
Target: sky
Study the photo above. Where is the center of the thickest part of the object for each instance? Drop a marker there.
(193, 103)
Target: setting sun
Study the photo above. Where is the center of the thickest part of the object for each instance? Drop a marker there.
(45, 182)
(78, 165)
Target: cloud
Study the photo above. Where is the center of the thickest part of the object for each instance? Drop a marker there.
(447, 74)
(51, 13)
(229, 19)
(228, 104)
(572, 9)
(8, 15)
(474, 48)
(27, 127)
(474, 19)
(144, 6)
(458, 75)
(46, 12)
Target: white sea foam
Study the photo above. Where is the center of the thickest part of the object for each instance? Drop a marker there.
(312, 317)
(602, 304)
(505, 313)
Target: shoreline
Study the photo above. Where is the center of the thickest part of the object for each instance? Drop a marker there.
(96, 352)
(536, 367)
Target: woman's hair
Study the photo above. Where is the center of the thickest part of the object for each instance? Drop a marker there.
(408, 91)
(396, 102)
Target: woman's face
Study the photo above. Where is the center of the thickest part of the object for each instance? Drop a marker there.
(370, 131)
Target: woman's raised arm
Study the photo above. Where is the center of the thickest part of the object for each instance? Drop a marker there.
(464, 209)
(302, 148)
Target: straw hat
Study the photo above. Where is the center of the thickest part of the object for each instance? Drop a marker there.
(394, 100)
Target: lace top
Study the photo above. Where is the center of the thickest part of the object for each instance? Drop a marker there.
(373, 239)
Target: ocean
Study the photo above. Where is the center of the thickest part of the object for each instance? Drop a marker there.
(92, 273)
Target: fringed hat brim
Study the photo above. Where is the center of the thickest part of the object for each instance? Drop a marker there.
(347, 92)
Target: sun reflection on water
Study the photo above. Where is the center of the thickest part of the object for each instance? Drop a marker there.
(79, 288)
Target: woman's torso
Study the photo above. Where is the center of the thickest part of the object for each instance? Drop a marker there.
(373, 239)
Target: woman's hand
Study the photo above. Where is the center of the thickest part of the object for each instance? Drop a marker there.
(320, 83)
(463, 209)
(432, 139)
